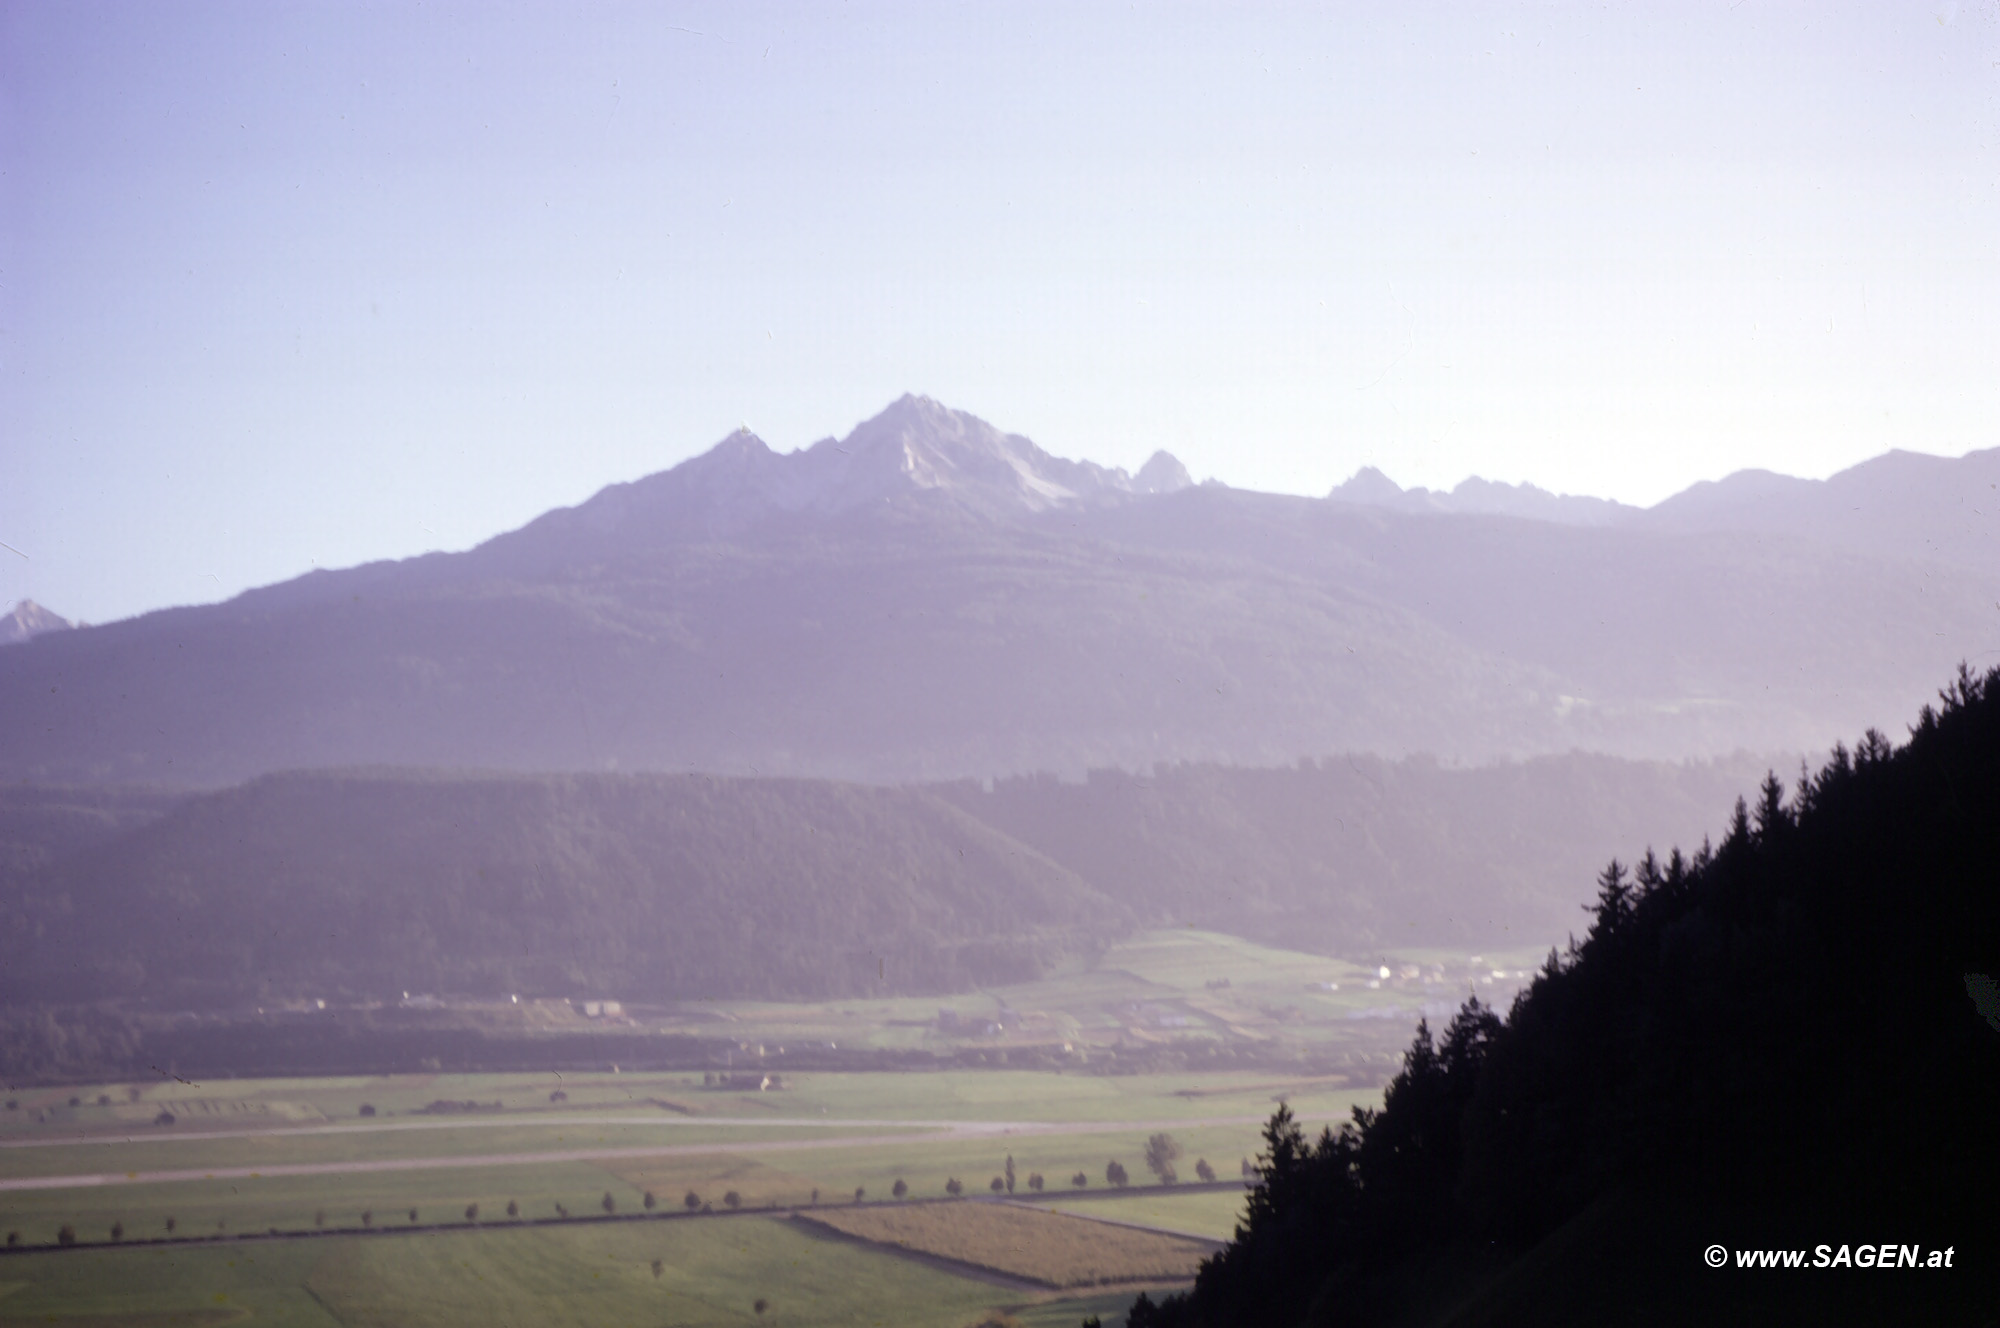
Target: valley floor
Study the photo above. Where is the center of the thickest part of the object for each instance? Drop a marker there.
(302, 1211)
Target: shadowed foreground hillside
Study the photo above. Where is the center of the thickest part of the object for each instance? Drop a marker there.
(1789, 1043)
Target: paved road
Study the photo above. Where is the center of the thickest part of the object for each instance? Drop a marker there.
(933, 1130)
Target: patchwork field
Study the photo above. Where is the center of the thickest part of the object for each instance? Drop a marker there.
(830, 1134)
(387, 1199)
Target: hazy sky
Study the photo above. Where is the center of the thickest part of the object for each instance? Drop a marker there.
(285, 285)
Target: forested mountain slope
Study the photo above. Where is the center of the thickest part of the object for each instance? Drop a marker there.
(363, 884)
(366, 884)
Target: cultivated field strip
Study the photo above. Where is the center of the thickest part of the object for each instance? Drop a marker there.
(1049, 1249)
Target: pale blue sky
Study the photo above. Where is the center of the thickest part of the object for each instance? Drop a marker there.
(295, 285)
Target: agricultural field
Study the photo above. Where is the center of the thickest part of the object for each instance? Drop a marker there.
(340, 1190)
(524, 1197)
(1036, 1245)
(1205, 1212)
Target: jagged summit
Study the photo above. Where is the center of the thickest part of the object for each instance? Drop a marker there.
(921, 444)
(914, 446)
(1371, 487)
(29, 619)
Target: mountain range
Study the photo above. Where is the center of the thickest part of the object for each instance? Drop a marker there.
(931, 598)
(1901, 505)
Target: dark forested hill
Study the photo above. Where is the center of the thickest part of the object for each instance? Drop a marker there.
(361, 883)
(933, 599)
(366, 884)
(1791, 1043)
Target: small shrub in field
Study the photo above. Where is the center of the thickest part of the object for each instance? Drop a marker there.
(170, 1226)
(732, 1200)
(899, 1189)
(367, 1217)
(760, 1305)
(319, 1218)
(650, 1201)
(561, 1211)
(997, 1185)
(13, 1239)
(366, 1110)
(66, 1235)
(1204, 1172)
(104, 1099)
(692, 1200)
(413, 1217)
(117, 1231)
(472, 1212)
(164, 1118)
(1114, 1173)
(859, 1194)
(1079, 1180)
(607, 1203)
(76, 1102)
(659, 1266)
(558, 1096)
(513, 1208)
(1035, 1181)
(954, 1187)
